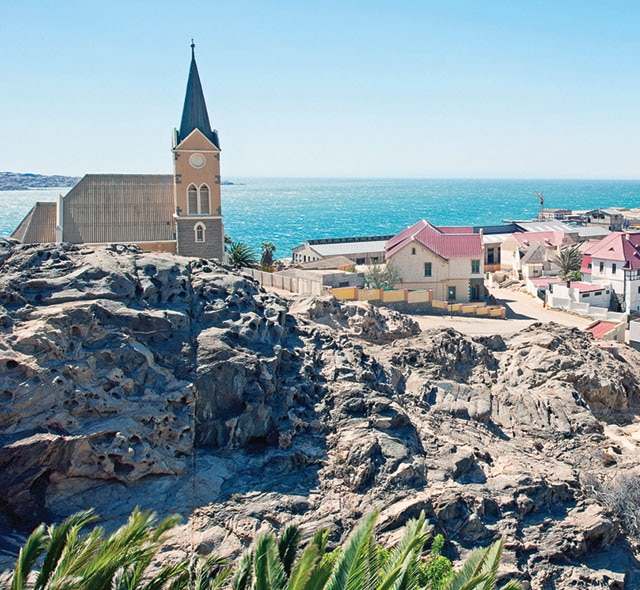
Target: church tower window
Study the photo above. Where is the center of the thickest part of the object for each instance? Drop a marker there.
(205, 209)
(192, 197)
(199, 229)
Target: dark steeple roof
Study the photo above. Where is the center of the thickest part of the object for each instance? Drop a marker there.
(194, 113)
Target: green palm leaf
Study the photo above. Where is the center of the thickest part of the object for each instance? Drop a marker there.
(32, 550)
(348, 571)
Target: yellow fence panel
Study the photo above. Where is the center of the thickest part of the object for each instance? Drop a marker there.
(439, 304)
(368, 294)
(418, 296)
(345, 293)
(389, 296)
(483, 311)
(469, 308)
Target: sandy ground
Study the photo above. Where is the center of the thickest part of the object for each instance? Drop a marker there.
(522, 311)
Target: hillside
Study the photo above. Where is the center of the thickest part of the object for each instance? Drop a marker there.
(131, 379)
(13, 181)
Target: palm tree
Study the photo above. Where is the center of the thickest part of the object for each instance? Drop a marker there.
(266, 262)
(240, 255)
(569, 260)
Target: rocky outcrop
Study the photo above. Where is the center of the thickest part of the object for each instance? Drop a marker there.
(131, 378)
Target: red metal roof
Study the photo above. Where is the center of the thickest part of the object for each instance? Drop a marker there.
(600, 329)
(549, 238)
(446, 244)
(586, 287)
(619, 247)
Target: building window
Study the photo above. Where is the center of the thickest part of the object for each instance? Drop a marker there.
(192, 199)
(205, 209)
(427, 269)
(451, 293)
(199, 229)
(585, 295)
(413, 251)
(613, 268)
(589, 266)
(198, 202)
(475, 267)
(359, 260)
(491, 256)
(602, 267)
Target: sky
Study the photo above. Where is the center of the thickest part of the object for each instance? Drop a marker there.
(389, 89)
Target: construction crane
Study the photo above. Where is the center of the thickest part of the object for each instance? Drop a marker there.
(541, 199)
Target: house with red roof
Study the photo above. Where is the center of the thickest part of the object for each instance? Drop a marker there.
(546, 244)
(447, 260)
(615, 261)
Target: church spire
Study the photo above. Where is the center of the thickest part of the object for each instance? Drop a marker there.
(194, 113)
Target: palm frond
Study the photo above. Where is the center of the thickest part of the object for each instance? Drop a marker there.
(348, 569)
(33, 548)
(288, 544)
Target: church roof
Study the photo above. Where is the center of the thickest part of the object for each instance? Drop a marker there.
(107, 208)
(194, 112)
(39, 225)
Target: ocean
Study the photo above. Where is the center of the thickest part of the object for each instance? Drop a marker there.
(289, 211)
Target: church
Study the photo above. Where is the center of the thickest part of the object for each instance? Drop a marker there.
(179, 213)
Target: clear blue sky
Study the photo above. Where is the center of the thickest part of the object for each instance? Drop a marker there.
(536, 89)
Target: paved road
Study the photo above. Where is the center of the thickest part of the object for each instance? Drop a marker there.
(522, 311)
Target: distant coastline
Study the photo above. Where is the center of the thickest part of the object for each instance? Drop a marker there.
(15, 181)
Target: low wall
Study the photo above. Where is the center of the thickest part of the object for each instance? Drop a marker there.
(584, 309)
(418, 302)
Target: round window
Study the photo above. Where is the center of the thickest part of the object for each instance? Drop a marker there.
(197, 160)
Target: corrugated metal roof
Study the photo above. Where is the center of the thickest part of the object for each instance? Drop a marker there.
(194, 112)
(346, 248)
(39, 225)
(551, 238)
(538, 226)
(600, 329)
(446, 245)
(105, 208)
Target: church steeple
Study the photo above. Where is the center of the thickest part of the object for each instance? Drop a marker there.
(194, 112)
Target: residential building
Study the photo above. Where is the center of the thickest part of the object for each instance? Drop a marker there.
(179, 212)
(516, 246)
(361, 250)
(611, 219)
(447, 260)
(615, 260)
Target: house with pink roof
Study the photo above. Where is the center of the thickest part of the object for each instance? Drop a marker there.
(517, 245)
(615, 261)
(447, 260)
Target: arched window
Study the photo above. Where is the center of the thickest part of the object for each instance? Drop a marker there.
(199, 229)
(192, 199)
(205, 208)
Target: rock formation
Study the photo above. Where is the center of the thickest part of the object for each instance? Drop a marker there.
(130, 378)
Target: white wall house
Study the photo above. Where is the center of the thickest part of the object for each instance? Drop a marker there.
(447, 260)
(615, 260)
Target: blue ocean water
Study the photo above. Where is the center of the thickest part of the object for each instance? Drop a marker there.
(289, 211)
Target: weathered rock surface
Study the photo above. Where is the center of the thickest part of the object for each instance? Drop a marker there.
(131, 379)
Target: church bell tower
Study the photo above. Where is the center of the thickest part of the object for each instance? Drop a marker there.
(196, 158)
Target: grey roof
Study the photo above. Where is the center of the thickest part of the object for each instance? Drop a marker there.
(347, 248)
(39, 225)
(494, 238)
(536, 254)
(535, 226)
(194, 112)
(592, 231)
(105, 208)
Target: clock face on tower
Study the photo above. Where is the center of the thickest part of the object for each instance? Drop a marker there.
(197, 160)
